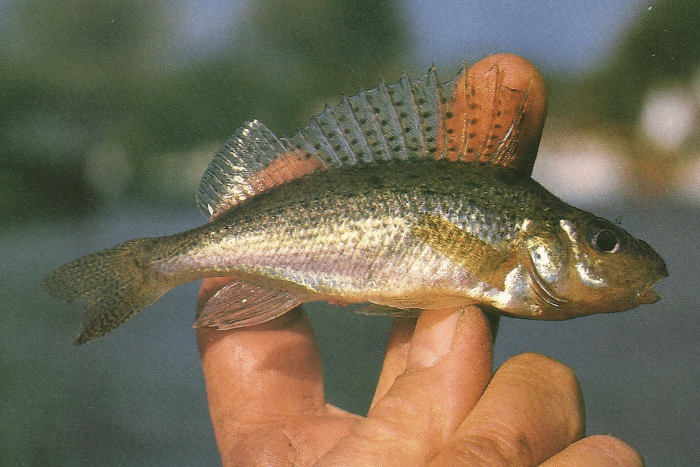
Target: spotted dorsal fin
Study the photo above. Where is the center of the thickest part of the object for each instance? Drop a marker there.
(467, 119)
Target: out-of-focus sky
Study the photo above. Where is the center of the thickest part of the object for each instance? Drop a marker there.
(566, 35)
(563, 34)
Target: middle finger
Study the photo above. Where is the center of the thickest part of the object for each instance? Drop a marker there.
(532, 409)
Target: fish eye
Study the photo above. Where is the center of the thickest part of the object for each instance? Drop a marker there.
(605, 236)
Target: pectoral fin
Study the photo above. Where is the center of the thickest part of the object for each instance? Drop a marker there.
(480, 258)
(240, 304)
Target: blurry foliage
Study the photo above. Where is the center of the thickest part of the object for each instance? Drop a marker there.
(80, 75)
(342, 39)
(661, 46)
(86, 85)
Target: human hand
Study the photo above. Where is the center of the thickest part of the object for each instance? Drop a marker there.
(437, 401)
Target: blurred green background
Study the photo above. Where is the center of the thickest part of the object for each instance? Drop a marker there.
(110, 111)
(108, 102)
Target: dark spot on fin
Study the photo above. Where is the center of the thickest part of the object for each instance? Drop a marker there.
(240, 304)
(478, 256)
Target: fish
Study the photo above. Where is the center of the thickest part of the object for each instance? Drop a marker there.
(405, 197)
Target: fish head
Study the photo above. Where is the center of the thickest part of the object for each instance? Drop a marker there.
(589, 265)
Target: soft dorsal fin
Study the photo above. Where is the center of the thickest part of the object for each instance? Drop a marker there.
(402, 122)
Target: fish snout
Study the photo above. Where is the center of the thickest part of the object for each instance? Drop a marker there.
(659, 265)
(656, 270)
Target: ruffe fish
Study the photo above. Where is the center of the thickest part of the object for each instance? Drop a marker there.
(405, 196)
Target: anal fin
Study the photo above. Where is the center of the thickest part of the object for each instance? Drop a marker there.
(239, 304)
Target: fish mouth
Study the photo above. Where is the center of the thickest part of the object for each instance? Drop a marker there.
(647, 295)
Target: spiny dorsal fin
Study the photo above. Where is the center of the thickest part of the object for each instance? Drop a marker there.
(467, 119)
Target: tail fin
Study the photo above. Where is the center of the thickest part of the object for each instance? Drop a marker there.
(115, 284)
